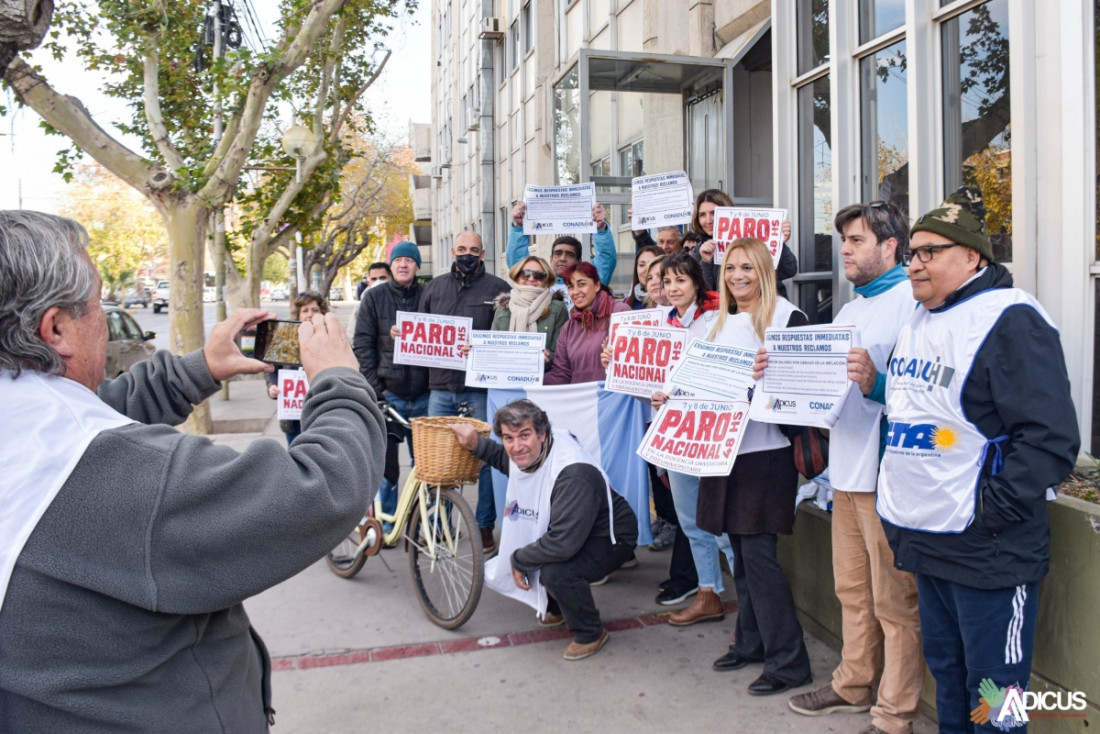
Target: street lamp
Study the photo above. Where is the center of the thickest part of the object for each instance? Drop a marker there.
(298, 142)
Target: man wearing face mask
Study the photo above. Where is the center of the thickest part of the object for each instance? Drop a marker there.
(467, 290)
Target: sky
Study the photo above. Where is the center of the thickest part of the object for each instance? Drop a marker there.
(27, 155)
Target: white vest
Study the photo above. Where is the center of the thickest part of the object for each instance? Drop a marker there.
(738, 331)
(934, 455)
(854, 439)
(527, 516)
(48, 423)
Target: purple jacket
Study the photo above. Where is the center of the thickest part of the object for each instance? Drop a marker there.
(577, 357)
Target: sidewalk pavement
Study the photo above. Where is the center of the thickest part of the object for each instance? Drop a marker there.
(360, 653)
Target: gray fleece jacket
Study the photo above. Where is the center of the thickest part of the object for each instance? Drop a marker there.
(578, 510)
(124, 609)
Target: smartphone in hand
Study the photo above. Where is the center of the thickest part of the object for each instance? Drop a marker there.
(277, 342)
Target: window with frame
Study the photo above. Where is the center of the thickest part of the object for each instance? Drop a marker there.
(815, 186)
(514, 53)
(528, 25)
(884, 113)
(977, 117)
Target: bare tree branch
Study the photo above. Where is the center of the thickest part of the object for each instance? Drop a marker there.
(153, 114)
(69, 115)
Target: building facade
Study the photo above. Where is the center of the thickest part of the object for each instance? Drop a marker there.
(806, 105)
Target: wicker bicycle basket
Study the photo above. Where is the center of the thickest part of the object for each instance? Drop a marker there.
(439, 457)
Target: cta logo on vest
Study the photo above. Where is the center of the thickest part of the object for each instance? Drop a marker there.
(515, 513)
(920, 438)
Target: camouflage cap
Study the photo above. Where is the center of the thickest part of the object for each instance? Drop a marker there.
(961, 219)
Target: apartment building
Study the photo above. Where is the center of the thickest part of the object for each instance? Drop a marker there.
(806, 105)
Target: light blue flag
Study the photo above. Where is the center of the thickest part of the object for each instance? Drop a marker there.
(609, 425)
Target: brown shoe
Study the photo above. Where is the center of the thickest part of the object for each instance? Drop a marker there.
(824, 701)
(487, 543)
(577, 651)
(552, 620)
(706, 607)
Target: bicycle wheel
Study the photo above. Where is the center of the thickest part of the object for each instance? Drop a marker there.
(344, 560)
(445, 557)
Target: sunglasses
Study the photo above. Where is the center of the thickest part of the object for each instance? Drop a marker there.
(532, 275)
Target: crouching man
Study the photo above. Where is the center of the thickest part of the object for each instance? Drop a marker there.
(563, 525)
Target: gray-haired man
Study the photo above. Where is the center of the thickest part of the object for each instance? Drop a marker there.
(564, 526)
(128, 546)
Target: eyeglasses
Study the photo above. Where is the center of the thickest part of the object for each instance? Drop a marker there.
(926, 253)
(532, 275)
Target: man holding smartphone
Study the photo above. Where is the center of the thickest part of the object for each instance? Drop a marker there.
(128, 546)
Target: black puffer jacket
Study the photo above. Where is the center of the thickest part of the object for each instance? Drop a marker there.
(373, 345)
(453, 294)
(1018, 386)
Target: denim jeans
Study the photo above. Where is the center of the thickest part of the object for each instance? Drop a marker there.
(446, 402)
(704, 545)
(409, 409)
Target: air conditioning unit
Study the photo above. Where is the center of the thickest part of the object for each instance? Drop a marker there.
(492, 29)
(437, 171)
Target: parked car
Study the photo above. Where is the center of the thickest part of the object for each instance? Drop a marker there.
(160, 296)
(127, 344)
(135, 296)
(209, 294)
(280, 294)
(336, 294)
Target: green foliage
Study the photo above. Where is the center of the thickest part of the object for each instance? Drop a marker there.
(276, 269)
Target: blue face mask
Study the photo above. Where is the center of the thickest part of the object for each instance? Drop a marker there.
(467, 263)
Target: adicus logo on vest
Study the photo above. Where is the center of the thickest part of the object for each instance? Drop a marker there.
(514, 512)
(921, 438)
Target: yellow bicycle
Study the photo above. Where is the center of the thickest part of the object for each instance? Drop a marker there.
(446, 559)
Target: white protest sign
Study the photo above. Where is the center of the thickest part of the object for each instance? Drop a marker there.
(639, 317)
(806, 382)
(505, 359)
(557, 209)
(715, 371)
(661, 200)
(733, 223)
(697, 437)
(641, 357)
(293, 387)
(431, 340)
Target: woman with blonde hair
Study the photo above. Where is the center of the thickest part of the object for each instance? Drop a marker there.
(755, 503)
(532, 305)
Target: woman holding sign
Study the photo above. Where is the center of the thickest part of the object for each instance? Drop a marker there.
(582, 339)
(755, 503)
(702, 223)
(692, 306)
(532, 305)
